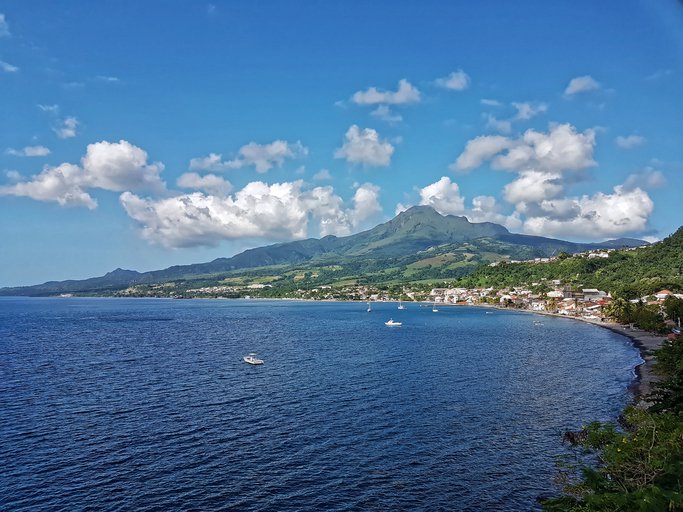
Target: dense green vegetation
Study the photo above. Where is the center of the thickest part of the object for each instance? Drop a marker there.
(629, 273)
(639, 461)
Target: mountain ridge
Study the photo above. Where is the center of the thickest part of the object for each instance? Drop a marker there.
(414, 230)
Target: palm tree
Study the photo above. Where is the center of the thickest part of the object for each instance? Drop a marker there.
(619, 309)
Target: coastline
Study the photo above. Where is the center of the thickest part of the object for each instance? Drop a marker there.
(645, 341)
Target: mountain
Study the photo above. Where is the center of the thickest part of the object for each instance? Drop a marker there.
(401, 241)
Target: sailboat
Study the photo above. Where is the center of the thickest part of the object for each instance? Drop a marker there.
(400, 305)
(369, 307)
(434, 309)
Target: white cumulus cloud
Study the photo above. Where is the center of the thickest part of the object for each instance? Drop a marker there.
(561, 149)
(62, 184)
(120, 166)
(365, 147)
(480, 149)
(581, 84)
(281, 211)
(108, 166)
(455, 81)
(29, 151)
(209, 183)
(533, 186)
(365, 204)
(598, 216)
(406, 93)
(262, 156)
(444, 196)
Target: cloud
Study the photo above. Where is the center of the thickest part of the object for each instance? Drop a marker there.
(262, 156)
(109, 166)
(265, 157)
(456, 81)
(28, 151)
(281, 211)
(487, 209)
(499, 125)
(406, 93)
(597, 216)
(7, 67)
(480, 149)
(4, 27)
(210, 183)
(545, 163)
(581, 84)
(62, 184)
(444, 196)
(630, 141)
(119, 166)
(107, 79)
(490, 103)
(561, 149)
(52, 109)
(527, 110)
(384, 113)
(647, 179)
(66, 128)
(533, 186)
(322, 175)
(365, 147)
(659, 74)
(365, 204)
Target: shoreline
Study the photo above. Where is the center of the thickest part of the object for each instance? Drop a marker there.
(644, 341)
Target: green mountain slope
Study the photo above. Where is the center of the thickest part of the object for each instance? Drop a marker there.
(627, 273)
(415, 235)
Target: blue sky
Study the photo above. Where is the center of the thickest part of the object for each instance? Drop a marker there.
(146, 134)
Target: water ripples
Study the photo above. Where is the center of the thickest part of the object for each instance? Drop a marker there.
(147, 405)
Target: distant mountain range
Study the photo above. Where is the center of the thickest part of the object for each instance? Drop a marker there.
(417, 234)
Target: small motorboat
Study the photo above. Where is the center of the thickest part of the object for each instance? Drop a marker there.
(391, 323)
(252, 359)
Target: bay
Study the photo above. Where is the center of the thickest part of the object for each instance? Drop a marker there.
(146, 404)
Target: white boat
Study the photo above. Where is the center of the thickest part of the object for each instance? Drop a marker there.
(400, 305)
(434, 309)
(391, 323)
(252, 359)
(369, 307)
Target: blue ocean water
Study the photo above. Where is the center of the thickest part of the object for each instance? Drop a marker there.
(144, 404)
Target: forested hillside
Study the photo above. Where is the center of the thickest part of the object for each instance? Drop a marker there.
(627, 273)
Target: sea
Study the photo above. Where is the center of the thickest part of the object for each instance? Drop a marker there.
(147, 404)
